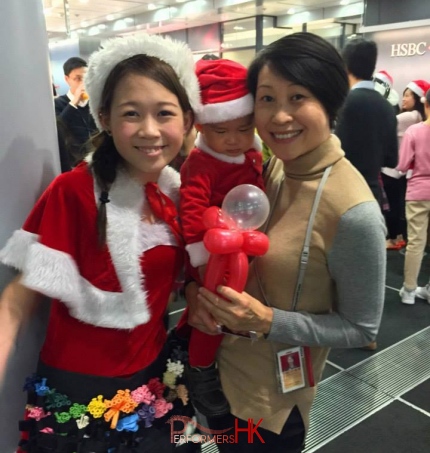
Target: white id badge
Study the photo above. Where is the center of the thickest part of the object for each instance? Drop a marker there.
(291, 366)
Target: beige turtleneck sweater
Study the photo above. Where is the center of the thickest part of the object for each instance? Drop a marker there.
(341, 300)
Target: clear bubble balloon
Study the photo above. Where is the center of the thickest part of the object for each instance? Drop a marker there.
(247, 205)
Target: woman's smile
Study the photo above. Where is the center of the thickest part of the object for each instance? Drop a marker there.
(151, 150)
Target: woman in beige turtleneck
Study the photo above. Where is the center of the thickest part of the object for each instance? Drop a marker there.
(299, 83)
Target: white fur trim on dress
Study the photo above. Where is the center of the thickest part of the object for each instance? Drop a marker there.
(128, 237)
(198, 254)
(56, 275)
(225, 111)
(177, 54)
(14, 253)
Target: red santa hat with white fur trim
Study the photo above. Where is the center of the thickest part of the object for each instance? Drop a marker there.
(384, 85)
(223, 90)
(175, 53)
(383, 76)
(419, 87)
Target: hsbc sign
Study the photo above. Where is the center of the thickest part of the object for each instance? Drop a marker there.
(408, 49)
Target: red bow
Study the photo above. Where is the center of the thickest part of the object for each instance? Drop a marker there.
(163, 208)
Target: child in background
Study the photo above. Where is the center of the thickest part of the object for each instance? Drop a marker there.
(227, 154)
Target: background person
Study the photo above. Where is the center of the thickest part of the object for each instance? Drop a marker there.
(299, 83)
(103, 242)
(73, 108)
(384, 85)
(367, 122)
(415, 149)
(393, 183)
(412, 112)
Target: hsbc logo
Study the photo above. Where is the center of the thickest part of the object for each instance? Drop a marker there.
(409, 49)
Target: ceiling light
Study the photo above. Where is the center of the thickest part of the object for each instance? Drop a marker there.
(151, 6)
(344, 2)
(110, 17)
(238, 27)
(291, 11)
(93, 31)
(119, 25)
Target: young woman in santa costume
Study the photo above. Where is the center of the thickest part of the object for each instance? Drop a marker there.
(103, 242)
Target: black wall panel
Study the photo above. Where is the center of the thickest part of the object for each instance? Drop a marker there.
(379, 12)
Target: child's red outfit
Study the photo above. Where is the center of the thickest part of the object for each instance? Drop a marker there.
(112, 297)
(206, 178)
(225, 124)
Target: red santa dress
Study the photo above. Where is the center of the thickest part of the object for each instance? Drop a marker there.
(106, 330)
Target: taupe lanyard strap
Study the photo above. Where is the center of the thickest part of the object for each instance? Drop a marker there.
(304, 257)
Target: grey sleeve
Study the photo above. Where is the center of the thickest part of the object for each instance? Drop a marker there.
(357, 264)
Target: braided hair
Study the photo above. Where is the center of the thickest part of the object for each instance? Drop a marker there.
(105, 160)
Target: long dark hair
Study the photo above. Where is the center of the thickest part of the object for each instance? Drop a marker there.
(418, 105)
(105, 157)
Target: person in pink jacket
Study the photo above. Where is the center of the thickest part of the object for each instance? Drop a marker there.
(415, 151)
(412, 112)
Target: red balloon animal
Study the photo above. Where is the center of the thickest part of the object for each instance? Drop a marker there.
(229, 248)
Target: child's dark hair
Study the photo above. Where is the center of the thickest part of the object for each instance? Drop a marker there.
(73, 63)
(360, 58)
(418, 105)
(210, 56)
(105, 158)
(308, 60)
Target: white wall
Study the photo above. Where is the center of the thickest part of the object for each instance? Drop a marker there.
(404, 54)
(28, 162)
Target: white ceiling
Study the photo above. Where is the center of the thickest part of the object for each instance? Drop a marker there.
(158, 16)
